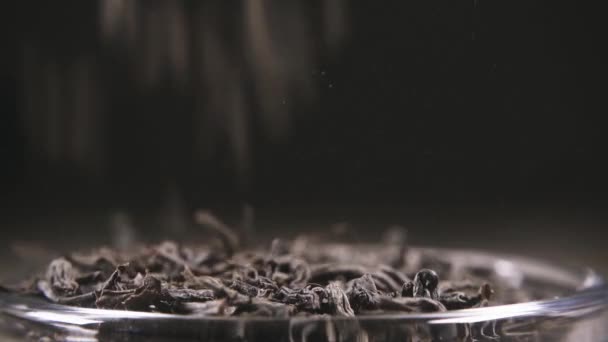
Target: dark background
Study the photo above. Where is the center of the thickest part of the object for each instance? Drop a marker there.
(468, 124)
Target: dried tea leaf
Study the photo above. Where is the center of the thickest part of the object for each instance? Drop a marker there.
(61, 277)
(337, 301)
(288, 279)
(363, 293)
(425, 284)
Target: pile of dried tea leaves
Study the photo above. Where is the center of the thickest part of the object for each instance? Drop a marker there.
(300, 277)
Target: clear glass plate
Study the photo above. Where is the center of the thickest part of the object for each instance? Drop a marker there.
(578, 315)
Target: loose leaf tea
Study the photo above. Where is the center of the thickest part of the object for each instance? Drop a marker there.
(297, 278)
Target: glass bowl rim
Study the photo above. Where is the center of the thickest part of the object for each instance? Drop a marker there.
(591, 295)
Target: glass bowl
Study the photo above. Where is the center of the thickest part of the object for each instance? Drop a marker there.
(576, 314)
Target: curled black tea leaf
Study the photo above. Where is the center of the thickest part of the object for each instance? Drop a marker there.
(244, 288)
(61, 277)
(305, 299)
(425, 284)
(337, 302)
(420, 304)
(459, 300)
(363, 293)
(407, 290)
(189, 295)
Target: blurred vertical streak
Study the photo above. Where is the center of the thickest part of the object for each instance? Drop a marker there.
(119, 21)
(154, 38)
(177, 44)
(86, 126)
(111, 14)
(81, 112)
(223, 96)
(174, 218)
(238, 130)
(268, 68)
(30, 68)
(54, 116)
(131, 22)
(212, 71)
(335, 22)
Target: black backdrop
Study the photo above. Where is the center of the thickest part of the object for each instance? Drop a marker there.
(431, 103)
